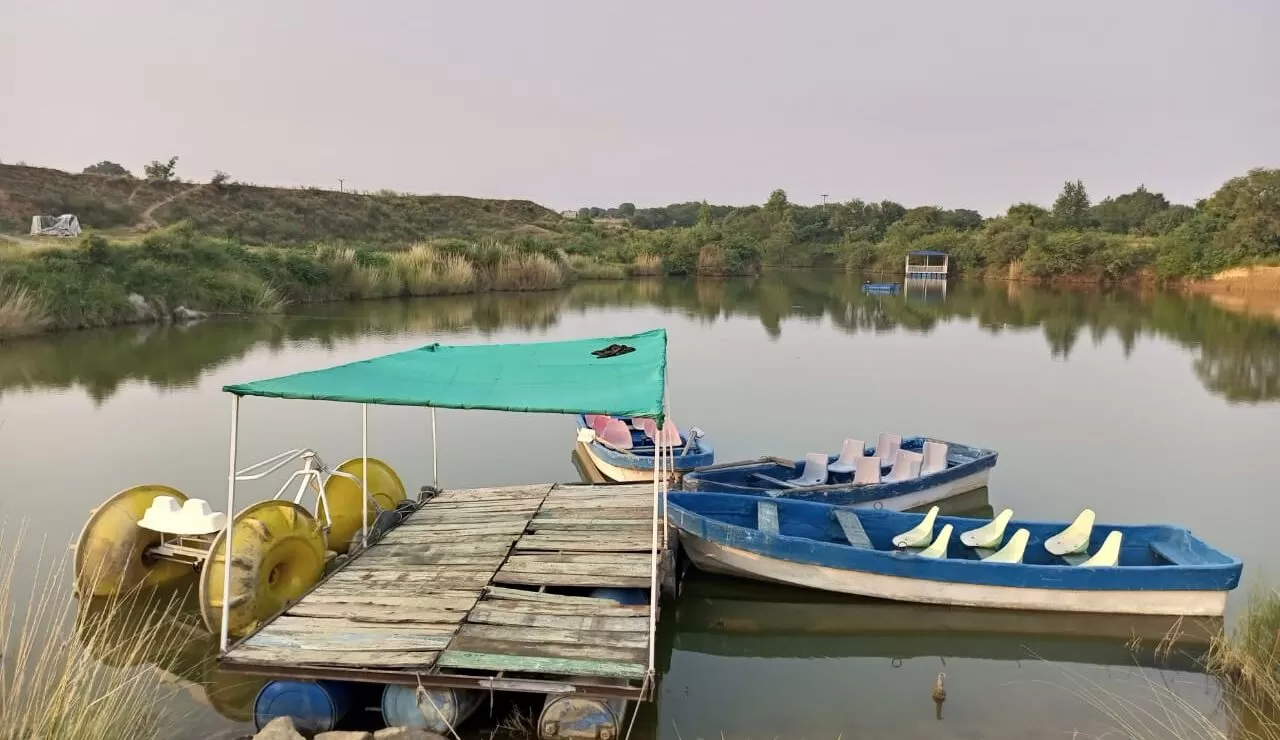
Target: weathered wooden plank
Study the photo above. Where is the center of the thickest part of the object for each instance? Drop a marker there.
(384, 548)
(502, 661)
(399, 562)
(378, 613)
(520, 606)
(426, 536)
(406, 660)
(567, 579)
(522, 653)
(767, 516)
(455, 573)
(349, 640)
(521, 564)
(501, 526)
(337, 625)
(582, 544)
(852, 527)
(539, 635)
(448, 600)
(625, 508)
(610, 558)
(575, 530)
(485, 615)
(520, 594)
(440, 519)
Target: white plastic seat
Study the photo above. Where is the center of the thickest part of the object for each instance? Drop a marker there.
(935, 458)
(193, 517)
(866, 471)
(616, 434)
(905, 467)
(849, 454)
(815, 470)
(919, 535)
(1075, 538)
(1013, 550)
(887, 446)
(939, 547)
(989, 535)
(1108, 555)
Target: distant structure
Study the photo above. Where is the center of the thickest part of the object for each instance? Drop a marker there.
(65, 225)
(926, 264)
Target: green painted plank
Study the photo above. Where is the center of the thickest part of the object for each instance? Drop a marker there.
(561, 666)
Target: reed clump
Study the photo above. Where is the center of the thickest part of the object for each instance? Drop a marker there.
(69, 679)
(1249, 656)
(21, 313)
(647, 265)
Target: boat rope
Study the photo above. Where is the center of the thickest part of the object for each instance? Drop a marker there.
(635, 711)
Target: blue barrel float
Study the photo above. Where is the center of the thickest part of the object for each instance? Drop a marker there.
(439, 709)
(314, 706)
(566, 717)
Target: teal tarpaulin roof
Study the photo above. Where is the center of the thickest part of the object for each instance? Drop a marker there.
(551, 377)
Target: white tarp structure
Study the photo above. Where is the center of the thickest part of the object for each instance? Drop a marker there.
(65, 225)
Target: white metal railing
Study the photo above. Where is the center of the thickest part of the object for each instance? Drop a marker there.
(313, 473)
(926, 268)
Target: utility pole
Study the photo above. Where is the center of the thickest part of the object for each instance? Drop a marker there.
(824, 201)
(341, 187)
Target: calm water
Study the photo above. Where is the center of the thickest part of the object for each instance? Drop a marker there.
(1143, 407)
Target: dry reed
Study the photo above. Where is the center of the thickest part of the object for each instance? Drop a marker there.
(21, 313)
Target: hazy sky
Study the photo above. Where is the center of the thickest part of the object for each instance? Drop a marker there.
(960, 104)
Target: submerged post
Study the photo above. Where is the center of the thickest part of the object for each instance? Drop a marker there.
(435, 453)
(231, 510)
(364, 474)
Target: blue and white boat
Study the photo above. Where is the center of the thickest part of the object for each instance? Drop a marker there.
(896, 474)
(622, 448)
(996, 563)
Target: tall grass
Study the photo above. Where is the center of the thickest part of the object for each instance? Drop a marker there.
(424, 270)
(21, 313)
(63, 681)
(647, 265)
(1250, 655)
(585, 268)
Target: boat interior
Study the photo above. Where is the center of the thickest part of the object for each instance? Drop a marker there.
(891, 460)
(638, 436)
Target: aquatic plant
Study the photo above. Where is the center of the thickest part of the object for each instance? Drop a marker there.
(65, 678)
(1250, 655)
(647, 264)
(526, 271)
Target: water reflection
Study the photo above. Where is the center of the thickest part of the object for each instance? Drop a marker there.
(1234, 356)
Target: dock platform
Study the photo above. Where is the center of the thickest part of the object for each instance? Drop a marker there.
(482, 588)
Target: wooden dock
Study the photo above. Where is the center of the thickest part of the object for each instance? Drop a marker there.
(481, 588)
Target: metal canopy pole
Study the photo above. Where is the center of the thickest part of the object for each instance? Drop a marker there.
(364, 474)
(658, 486)
(435, 453)
(231, 509)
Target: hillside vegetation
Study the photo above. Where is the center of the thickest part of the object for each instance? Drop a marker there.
(157, 243)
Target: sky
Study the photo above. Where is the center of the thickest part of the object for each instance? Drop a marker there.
(976, 104)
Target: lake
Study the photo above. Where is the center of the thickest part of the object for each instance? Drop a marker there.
(1143, 406)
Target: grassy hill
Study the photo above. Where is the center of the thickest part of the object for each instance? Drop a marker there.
(256, 215)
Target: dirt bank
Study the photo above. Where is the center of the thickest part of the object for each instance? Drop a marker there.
(1249, 290)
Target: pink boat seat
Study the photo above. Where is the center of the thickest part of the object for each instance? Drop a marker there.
(616, 434)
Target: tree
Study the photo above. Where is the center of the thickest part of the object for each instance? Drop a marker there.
(107, 168)
(162, 171)
(584, 215)
(1071, 209)
(1030, 214)
(1128, 212)
(777, 203)
(704, 214)
(627, 210)
(220, 178)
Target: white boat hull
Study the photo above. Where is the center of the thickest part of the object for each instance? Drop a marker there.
(615, 473)
(717, 558)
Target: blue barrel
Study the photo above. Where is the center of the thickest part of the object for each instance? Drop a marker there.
(314, 706)
(439, 710)
(624, 596)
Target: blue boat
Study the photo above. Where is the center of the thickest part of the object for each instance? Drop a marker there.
(881, 288)
(897, 474)
(621, 448)
(996, 563)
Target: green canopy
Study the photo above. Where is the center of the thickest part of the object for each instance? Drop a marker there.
(550, 377)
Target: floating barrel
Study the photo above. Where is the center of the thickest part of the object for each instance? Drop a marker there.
(435, 709)
(581, 718)
(314, 706)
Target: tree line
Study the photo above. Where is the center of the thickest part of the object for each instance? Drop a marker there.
(1118, 237)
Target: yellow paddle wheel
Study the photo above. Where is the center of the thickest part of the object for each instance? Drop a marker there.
(153, 535)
